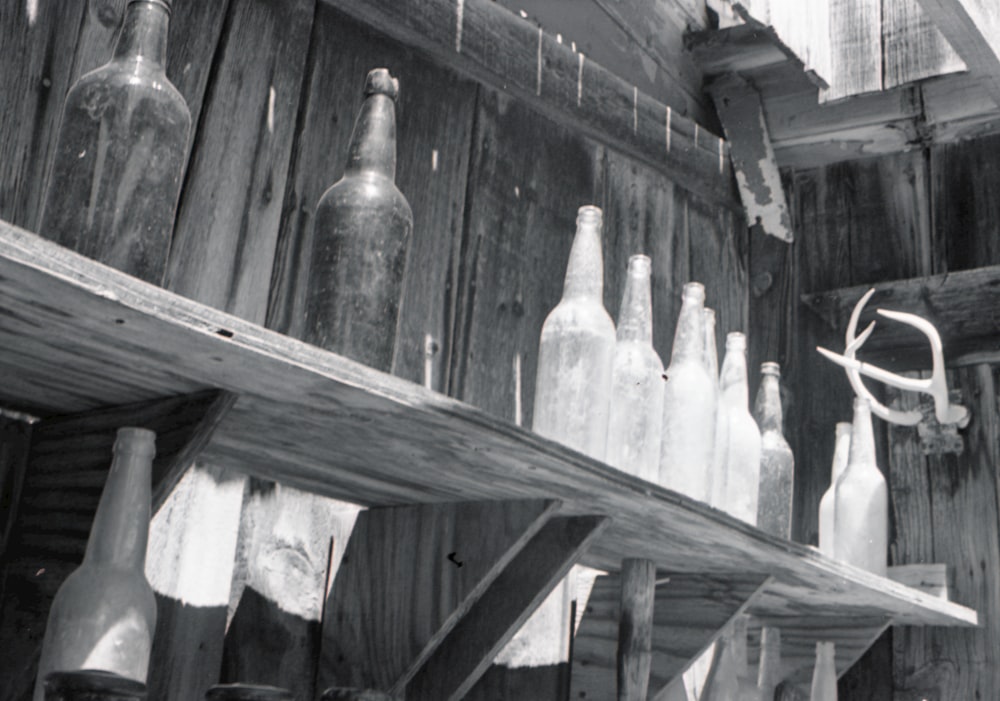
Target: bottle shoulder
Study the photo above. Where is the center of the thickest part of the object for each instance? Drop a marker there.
(365, 189)
(120, 79)
(581, 314)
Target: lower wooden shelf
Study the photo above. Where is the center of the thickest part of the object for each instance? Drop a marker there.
(76, 335)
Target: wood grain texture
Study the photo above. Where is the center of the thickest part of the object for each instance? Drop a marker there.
(742, 115)
(506, 604)
(369, 420)
(941, 505)
(689, 613)
(408, 578)
(507, 52)
(971, 27)
(856, 51)
(635, 628)
(227, 220)
(806, 36)
(913, 48)
(734, 49)
(15, 440)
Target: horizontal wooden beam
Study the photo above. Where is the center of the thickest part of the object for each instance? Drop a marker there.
(482, 39)
(959, 305)
(972, 27)
(735, 49)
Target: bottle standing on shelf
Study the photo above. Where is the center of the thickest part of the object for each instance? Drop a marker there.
(576, 350)
(636, 379)
(769, 667)
(841, 450)
(360, 239)
(861, 501)
(777, 465)
(824, 681)
(104, 614)
(688, 410)
(116, 176)
(742, 473)
(716, 428)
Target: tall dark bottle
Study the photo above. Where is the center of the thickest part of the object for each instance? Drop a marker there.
(104, 614)
(362, 231)
(119, 160)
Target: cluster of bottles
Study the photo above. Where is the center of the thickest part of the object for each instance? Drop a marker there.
(603, 391)
(97, 685)
(733, 678)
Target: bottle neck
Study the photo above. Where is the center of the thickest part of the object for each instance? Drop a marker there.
(121, 526)
(767, 407)
(711, 349)
(373, 141)
(635, 319)
(733, 378)
(689, 338)
(585, 269)
(862, 451)
(144, 32)
(841, 450)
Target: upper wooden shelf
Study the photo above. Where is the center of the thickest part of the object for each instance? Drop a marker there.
(961, 306)
(75, 334)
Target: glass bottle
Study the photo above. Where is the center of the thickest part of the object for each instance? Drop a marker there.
(769, 668)
(824, 681)
(861, 501)
(576, 351)
(717, 429)
(841, 450)
(104, 614)
(120, 154)
(92, 685)
(360, 239)
(743, 444)
(636, 379)
(688, 411)
(777, 464)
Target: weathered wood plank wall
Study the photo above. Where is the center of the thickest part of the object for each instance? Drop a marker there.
(273, 89)
(917, 213)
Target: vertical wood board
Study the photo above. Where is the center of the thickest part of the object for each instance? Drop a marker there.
(856, 51)
(913, 47)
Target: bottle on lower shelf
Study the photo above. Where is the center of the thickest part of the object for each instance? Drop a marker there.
(824, 680)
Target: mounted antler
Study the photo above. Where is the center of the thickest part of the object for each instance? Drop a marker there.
(936, 385)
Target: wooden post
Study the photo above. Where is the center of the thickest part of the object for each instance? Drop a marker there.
(635, 628)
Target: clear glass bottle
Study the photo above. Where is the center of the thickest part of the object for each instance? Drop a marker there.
(576, 350)
(777, 464)
(743, 445)
(104, 614)
(841, 450)
(120, 155)
(717, 429)
(360, 239)
(861, 501)
(769, 672)
(688, 412)
(636, 380)
(824, 681)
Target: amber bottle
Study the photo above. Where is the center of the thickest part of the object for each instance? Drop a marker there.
(120, 156)
(360, 239)
(104, 614)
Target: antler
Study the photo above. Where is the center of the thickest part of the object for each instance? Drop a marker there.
(936, 385)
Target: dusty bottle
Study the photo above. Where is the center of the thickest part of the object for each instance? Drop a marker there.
(743, 445)
(841, 450)
(92, 685)
(824, 681)
(360, 239)
(769, 672)
(718, 428)
(636, 380)
(120, 155)
(688, 410)
(104, 614)
(861, 501)
(576, 351)
(777, 465)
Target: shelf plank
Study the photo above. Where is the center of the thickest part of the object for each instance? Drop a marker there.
(959, 304)
(76, 334)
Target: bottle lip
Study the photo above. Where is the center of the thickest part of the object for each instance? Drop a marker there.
(640, 264)
(770, 368)
(736, 340)
(862, 403)
(589, 214)
(380, 82)
(165, 4)
(709, 314)
(843, 427)
(694, 290)
(135, 439)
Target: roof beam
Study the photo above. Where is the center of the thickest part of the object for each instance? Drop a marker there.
(972, 27)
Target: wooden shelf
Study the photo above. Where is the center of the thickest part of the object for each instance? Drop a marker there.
(77, 335)
(961, 306)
